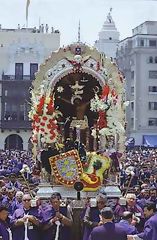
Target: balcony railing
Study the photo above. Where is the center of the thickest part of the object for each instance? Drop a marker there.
(15, 124)
(17, 78)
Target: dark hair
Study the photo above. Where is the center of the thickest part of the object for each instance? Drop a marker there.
(152, 189)
(56, 195)
(127, 215)
(107, 213)
(13, 175)
(151, 206)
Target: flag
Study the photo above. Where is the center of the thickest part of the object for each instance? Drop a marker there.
(27, 6)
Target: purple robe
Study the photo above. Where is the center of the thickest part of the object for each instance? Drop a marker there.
(19, 231)
(109, 231)
(15, 185)
(128, 228)
(91, 219)
(11, 204)
(136, 210)
(150, 229)
(3, 230)
(49, 234)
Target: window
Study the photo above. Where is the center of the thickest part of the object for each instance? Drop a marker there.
(132, 90)
(110, 38)
(141, 42)
(132, 75)
(132, 122)
(132, 106)
(153, 74)
(152, 43)
(33, 70)
(22, 112)
(155, 60)
(150, 59)
(18, 71)
(6, 93)
(152, 122)
(152, 105)
(153, 89)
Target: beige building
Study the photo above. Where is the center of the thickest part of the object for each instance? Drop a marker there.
(22, 50)
(137, 59)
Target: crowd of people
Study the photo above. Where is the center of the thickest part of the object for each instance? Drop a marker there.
(23, 216)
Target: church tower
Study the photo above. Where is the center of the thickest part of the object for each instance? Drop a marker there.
(108, 37)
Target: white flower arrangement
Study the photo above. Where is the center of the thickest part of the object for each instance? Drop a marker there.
(97, 104)
(25, 169)
(60, 89)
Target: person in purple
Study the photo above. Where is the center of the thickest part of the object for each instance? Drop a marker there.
(91, 216)
(126, 223)
(108, 229)
(5, 231)
(18, 199)
(153, 195)
(150, 227)
(13, 182)
(57, 221)
(26, 221)
(131, 206)
(144, 198)
(4, 191)
(9, 200)
(152, 182)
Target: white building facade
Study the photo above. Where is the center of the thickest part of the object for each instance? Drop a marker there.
(137, 59)
(108, 38)
(22, 50)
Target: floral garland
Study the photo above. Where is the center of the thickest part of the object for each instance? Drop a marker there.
(44, 118)
(110, 106)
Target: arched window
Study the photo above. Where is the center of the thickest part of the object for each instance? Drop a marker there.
(14, 142)
(150, 59)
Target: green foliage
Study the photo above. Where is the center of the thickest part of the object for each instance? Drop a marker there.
(97, 164)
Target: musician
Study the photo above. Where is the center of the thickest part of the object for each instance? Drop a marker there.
(57, 221)
(26, 221)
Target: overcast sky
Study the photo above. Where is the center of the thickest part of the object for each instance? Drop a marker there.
(65, 14)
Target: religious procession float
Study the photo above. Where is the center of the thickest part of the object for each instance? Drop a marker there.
(78, 119)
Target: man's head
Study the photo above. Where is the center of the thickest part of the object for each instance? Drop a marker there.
(145, 193)
(131, 199)
(25, 189)
(13, 177)
(149, 209)
(26, 200)
(19, 196)
(101, 201)
(4, 190)
(3, 213)
(107, 214)
(151, 179)
(153, 193)
(55, 200)
(127, 216)
(11, 193)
